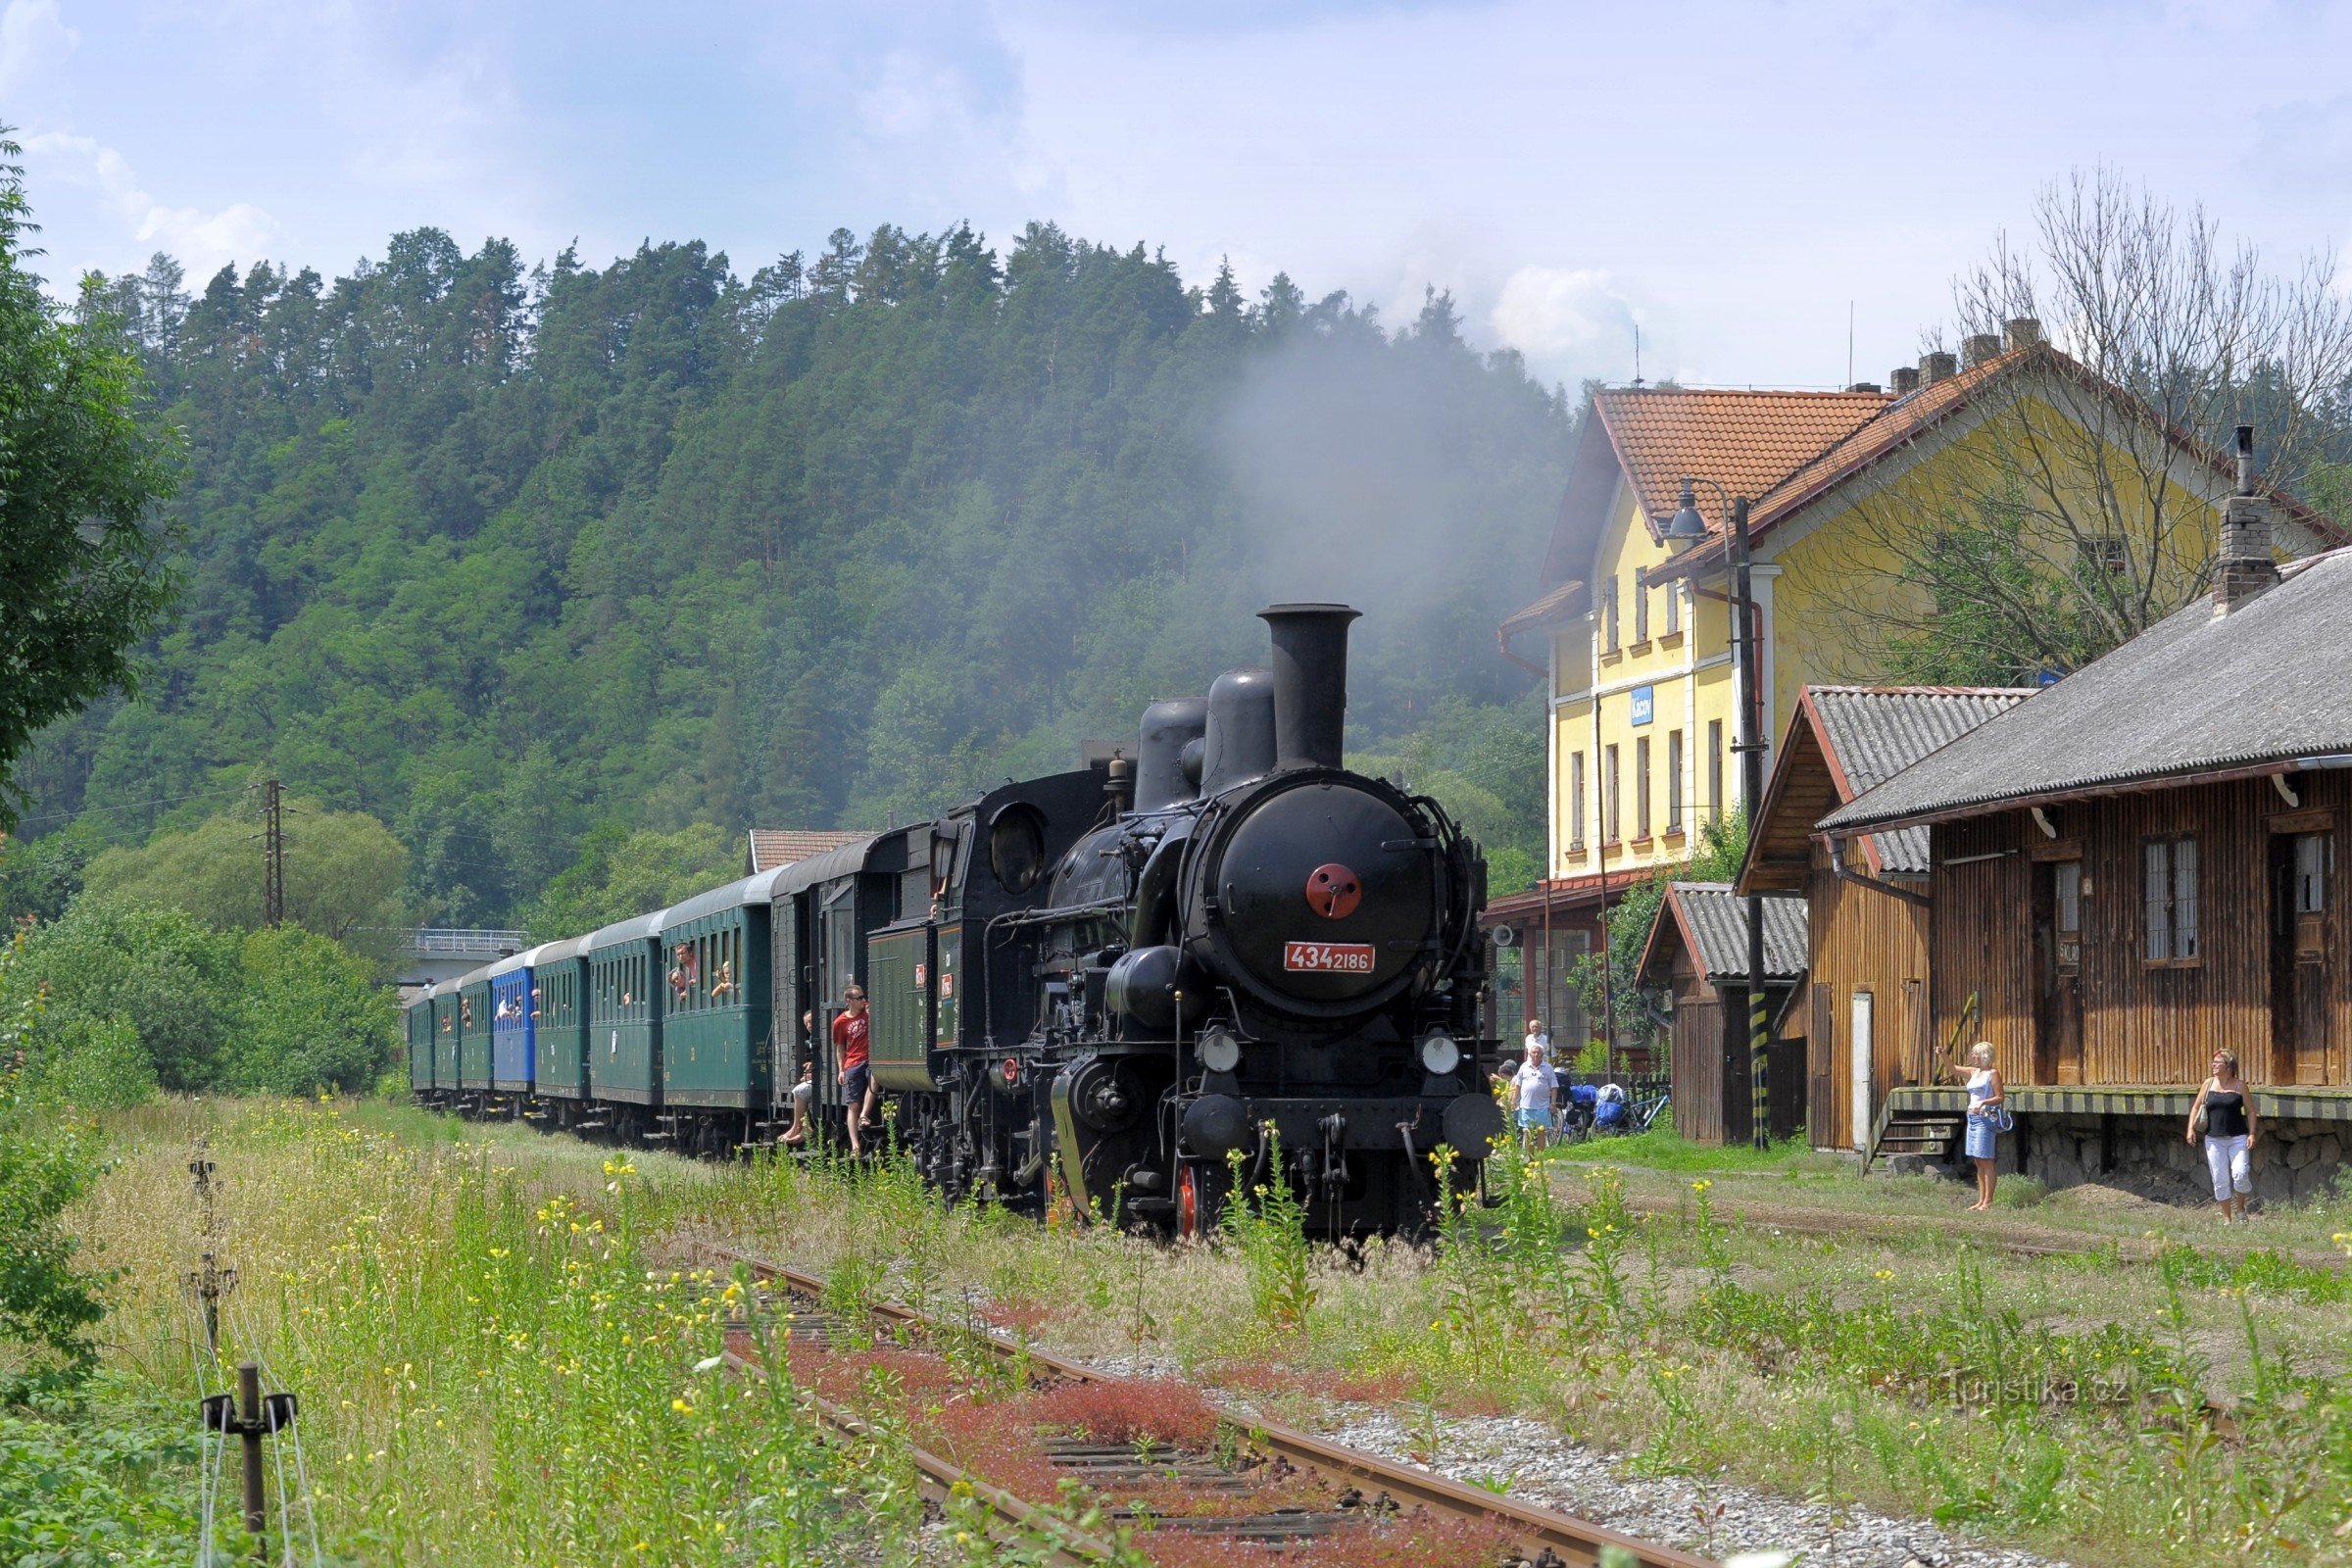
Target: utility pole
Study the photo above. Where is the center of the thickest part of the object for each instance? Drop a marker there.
(249, 1416)
(274, 849)
(1748, 693)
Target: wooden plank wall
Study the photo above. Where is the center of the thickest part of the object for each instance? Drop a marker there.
(1862, 940)
(1697, 1084)
(2141, 1023)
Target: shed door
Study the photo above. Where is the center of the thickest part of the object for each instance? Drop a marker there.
(1865, 1109)
(2058, 971)
(2302, 869)
(1820, 1051)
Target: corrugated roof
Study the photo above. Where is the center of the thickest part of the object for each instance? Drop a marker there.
(775, 846)
(1874, 733)
(1713, 919)
(2267, 683)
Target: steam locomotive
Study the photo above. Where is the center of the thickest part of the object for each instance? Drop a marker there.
(1113, 987)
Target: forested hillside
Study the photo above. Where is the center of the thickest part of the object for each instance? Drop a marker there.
(502, 555)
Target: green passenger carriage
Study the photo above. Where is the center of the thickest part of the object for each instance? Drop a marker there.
(624, 1018)
(418, 1021)
(473, 1034)
(559, 1010)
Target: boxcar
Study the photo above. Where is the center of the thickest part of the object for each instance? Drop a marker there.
(513, 1025)
(624, 1015)
(714, 954)
(417, 1019)
(559, 1007)
(473, 1034)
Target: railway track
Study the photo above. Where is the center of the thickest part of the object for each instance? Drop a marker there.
(1198, 1494)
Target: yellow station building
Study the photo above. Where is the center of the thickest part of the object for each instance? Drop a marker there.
(1634, 640)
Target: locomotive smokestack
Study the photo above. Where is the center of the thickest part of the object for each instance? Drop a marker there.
(1310, 683)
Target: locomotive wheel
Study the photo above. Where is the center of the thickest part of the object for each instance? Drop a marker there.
(1198, 1200)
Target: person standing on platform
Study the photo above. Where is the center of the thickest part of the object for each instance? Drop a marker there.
(850, 1029)
(2224, 1112)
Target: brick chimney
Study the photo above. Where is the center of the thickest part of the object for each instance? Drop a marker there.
(1903, 381)
(1934, 367)
(2021, 332)
(1977, 347)
(2243, 566)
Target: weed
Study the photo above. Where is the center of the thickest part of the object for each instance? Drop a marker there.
(1267, 1225)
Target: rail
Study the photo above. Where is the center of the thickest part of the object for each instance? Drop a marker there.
(1539, 1534)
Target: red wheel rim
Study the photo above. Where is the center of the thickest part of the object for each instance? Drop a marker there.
(1188, 1205)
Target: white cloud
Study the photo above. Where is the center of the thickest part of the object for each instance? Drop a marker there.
(202, 241)
(1556, 314)
(33, 40)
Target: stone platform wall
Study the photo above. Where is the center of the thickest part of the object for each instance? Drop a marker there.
(2292, 1159)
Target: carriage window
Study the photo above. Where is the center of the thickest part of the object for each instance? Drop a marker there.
(2171, 899)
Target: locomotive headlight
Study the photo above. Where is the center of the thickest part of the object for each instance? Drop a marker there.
(1440, 1054)
(1219, 1050)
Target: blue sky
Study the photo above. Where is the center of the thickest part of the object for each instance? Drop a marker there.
(1730, 176)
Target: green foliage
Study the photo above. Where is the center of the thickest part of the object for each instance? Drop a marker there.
(621, 873)
(81, 559)
(501, 554)
(1266, 1224)
(1716, 858)
(38, 877)
(2002, 613)
(85, 1493)
(311, 1017)
(48, 1309)
(87, 1063)
(177, 982)
(344, 872)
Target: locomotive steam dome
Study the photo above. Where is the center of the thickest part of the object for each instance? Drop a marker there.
(1321, 893)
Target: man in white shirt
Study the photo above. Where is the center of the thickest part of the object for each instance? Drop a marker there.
(1536, 1036)
(1535, 1082)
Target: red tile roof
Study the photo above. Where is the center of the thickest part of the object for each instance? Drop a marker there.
(774, 846)
(1747, 442)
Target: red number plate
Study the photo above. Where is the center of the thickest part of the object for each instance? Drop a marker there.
(1327, 957)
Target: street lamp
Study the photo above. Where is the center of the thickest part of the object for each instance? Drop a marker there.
(1684, 530)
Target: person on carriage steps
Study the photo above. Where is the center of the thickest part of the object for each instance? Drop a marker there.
(851, 1028)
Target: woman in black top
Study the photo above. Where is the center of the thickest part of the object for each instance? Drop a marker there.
(2229, 1126)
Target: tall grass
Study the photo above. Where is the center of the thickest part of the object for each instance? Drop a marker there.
(493, 1365)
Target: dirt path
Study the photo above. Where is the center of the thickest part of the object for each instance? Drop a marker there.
(2021, 1237)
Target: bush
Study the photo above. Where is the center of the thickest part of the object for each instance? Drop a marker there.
(46, 1307)
(175, 981)
(89, 1065)
(312, 1017)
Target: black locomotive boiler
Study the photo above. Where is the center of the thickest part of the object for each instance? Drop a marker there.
(1244, 951)
(1104, 987)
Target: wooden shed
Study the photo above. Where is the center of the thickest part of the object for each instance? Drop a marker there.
(2137, 868)
(1697, 960)
(1864, 1011)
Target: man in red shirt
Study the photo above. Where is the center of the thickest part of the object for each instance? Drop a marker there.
(850, 1030)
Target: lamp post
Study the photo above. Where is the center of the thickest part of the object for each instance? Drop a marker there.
(1689, 528)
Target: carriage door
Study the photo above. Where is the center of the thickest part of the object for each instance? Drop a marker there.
(1865, 1019)
(2058, 971)
(790, 1041)
(2302, 865)
(838, 932)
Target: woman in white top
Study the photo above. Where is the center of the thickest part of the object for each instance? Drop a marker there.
(1984, 1097)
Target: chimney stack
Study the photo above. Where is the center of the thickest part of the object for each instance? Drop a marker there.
(1865, 386)
(1934, 367)
(1977, 347)
(2021, 332)
(2243, 566)
(1903, 379)
(1310, 683)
